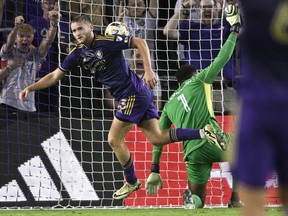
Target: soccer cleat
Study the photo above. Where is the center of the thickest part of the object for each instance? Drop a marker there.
(187, 200)
(214, 138)
(126, 190)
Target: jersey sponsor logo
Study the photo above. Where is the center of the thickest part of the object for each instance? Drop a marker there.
(93, 61)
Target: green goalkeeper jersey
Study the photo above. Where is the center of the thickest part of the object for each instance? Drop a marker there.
(190, 106)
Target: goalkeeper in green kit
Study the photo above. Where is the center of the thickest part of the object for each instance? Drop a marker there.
(190, 106)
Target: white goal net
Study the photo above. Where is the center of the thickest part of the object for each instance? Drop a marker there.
(63, 158)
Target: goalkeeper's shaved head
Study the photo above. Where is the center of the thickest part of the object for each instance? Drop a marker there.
(185, 72)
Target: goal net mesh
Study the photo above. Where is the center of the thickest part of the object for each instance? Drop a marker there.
(63, 158)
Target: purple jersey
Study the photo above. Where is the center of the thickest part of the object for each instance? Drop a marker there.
(264, 89)
(105, 61)
(267, 56)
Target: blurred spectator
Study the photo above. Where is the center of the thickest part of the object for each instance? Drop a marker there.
(137, 67)
(42, 24)
(28, 59)
(95, 9)
(141, 20)
(202, 38)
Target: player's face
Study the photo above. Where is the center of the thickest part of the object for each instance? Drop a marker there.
(82, 32)
(24, 41)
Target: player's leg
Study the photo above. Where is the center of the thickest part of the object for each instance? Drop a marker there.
(198, 195)
(253, 140)
(254, 200)
(116, 139)
(199, 165)
(161, 137)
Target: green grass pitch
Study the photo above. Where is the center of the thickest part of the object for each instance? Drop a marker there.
(133, 212)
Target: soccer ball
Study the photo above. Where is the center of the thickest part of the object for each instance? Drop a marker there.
(117, 28)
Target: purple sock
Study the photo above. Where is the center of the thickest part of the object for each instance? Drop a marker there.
(129, 172)
(180, 134)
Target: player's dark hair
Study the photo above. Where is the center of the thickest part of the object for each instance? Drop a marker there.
(185, 72)
(81, 18)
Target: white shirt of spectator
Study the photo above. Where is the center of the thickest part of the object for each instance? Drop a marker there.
(19, 78)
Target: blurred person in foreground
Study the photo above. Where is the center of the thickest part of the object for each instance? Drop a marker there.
(102, 57)
(191, 106)
(262, 144)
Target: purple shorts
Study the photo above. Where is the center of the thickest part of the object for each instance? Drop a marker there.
(262, 142)
(138, 107)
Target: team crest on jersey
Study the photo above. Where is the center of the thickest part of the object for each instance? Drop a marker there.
(99, 54)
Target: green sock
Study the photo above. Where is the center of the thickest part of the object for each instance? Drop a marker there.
(196, 201)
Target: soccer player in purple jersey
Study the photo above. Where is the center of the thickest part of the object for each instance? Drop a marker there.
(103, 57)
(262, 144)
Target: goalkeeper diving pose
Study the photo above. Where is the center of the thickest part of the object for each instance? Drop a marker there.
(190, 106)
(101, 57)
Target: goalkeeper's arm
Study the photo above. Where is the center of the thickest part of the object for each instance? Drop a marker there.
(155, 180)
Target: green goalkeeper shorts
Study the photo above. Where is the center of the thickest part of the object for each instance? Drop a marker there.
(199, 162)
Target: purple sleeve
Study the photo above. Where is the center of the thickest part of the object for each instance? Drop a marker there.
(120, 43)
(70, 62)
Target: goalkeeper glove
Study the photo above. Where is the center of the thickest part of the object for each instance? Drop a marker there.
(154, 180)
(232, 13)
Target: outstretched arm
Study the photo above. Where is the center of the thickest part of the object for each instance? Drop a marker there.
(46, 42)
(154, 180)
(47, 81)
(149, 76)
(209, 74)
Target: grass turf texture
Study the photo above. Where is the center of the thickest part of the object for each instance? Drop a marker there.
(133, 212)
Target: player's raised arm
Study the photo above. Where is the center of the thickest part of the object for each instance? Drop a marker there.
(211, 72)
(47, 81)
(149, 76)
